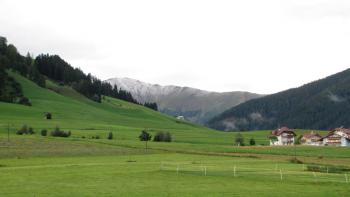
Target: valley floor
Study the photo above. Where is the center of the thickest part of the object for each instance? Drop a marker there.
(39, 166)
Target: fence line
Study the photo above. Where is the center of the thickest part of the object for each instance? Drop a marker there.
(215, 169)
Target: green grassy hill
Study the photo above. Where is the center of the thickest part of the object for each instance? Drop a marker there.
(85, 118)
(73, 111)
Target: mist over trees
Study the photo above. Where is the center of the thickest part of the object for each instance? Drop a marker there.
(323, 104)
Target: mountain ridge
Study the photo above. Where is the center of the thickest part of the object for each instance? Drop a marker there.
(321, 104)
(195, 104)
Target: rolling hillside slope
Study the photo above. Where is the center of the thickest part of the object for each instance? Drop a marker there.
(323, 104)
(73, 111)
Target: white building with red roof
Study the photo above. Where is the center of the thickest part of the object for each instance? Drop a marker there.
(313, 139)
(282, 136)
(337, 137)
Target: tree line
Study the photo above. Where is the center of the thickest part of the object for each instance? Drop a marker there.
(10, 90)
(56, 69)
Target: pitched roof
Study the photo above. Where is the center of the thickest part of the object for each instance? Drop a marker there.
(281, 130)
(329, 134)
(311, 135)
(341, 129)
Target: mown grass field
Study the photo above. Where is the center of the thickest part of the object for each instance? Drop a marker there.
(199, 161)
(163, 174)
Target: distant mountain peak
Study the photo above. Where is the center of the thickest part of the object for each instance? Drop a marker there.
(194, 104)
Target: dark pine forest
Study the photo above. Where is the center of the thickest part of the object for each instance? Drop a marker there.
(52, 67)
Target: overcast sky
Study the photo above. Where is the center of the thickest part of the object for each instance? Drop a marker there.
(251, 45)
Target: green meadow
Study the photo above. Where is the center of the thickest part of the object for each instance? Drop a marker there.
(160, 174)
(198, 162)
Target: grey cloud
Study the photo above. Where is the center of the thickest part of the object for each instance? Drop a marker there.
(334, 8)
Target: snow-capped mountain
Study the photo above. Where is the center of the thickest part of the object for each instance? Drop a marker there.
(194, 104)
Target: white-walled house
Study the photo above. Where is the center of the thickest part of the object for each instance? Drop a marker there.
(282, 136)
(337, 137)
(313, 139)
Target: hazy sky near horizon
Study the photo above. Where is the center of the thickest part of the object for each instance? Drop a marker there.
(217, 45)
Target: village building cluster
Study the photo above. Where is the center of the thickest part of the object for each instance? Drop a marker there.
(286, 136)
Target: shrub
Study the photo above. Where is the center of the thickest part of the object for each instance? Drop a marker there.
(43, 132)
(162, 137)
(48, 116)
(327, 168)
(295, 160)
(24, 101)
(158, 137)
(252, 142)
(96, 98)
(110, 136)
(239, 139)
(167, 137)
(25, 130)
(59, 133)
(298, 140)
(273, 138)
(30, 131)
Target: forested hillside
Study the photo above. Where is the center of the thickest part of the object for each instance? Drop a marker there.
(322, 104)
(10, 90)
(51, 67)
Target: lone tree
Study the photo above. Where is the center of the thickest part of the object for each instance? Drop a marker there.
(145, 136)
(239, 139)
(110, 136)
